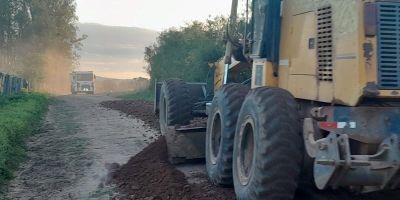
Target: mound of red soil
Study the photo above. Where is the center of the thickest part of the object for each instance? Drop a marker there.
(148, 175)
(139, 109)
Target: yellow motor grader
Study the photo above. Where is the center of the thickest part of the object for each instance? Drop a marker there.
(322, 104)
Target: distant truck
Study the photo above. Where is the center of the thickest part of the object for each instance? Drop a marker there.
(82, 82)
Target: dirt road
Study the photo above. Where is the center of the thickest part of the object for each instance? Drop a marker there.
(81, 146)
(79, 143)
(151, 160)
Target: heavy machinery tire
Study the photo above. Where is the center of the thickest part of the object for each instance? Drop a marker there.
(221, 126)
(175, 104)
(268, 148)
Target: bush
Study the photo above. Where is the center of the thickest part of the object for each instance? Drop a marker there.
(186, 52)
(19, 117)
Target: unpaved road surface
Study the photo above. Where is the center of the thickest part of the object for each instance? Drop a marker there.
(149, 176)
(195, 185)
(75, 150)
(86, 151)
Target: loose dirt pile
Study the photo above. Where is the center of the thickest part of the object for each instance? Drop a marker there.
(139, 109)
(144, 110)
(149, 176)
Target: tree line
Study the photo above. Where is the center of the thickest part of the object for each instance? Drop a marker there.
(186, 52)
(32, 31)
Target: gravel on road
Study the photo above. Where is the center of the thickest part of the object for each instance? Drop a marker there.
(77, 147)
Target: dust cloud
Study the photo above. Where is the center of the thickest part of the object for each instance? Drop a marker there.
(47, 72)
(109, 85)
(55, 74)
(50, 73)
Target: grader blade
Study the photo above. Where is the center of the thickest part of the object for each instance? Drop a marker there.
(185, 144)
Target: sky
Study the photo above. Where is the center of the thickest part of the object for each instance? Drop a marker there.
(151, 14)
(157, 15)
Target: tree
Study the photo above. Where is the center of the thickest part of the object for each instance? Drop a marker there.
(30, 30)
(186, 52)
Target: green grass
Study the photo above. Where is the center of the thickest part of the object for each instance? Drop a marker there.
(20, 115)
(147, 95)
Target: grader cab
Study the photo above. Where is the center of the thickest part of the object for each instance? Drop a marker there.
(323, 104)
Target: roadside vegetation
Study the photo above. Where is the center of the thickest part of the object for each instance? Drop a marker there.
(38, 40)
(185, 52)
(20, 115)
(146, 95)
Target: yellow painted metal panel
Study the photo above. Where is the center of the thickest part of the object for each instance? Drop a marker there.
(303, 59)
(389, 93)
(263, 74)
(369, 67)
(283, 77)
(346, 71)
(285, 53)
(368, 61)
(299, 18)
(303, 86)
(325, 92)
(346, 83)
(218, 74)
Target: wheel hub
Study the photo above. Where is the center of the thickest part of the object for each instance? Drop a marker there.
(246, 152)
(215, 138)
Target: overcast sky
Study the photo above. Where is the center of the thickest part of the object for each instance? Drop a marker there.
(151, 14)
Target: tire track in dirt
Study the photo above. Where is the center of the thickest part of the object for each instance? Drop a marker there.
(78, 144)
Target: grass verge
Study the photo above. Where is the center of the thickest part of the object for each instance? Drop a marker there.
(147, 95)
(20, 115)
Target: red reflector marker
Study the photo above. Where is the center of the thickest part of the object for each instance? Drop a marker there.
(337, 125)
(328, 125)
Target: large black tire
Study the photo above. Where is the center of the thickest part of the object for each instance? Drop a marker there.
(268, 148)
(221, 126)
(175, 104)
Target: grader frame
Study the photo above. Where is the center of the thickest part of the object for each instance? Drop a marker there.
(331, 65)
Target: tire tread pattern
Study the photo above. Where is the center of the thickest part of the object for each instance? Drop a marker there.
(179, 102)
(279, 157)
(229, 101)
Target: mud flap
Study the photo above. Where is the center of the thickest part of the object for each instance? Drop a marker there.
(185, 144)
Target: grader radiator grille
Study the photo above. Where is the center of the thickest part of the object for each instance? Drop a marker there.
(389, 45)
(324, 44)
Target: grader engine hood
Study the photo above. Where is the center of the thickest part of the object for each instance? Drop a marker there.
(381, 23)
(338, 52)
(380, 49)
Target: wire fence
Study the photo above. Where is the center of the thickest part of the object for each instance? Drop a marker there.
(10, 84)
